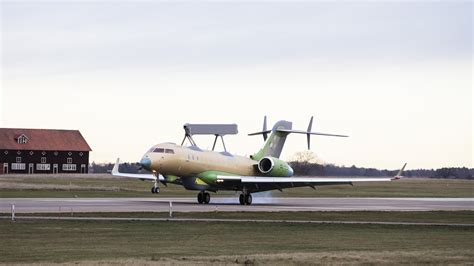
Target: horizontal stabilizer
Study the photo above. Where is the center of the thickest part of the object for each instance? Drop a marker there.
(285, 127)
(260, 133)
(311, 133)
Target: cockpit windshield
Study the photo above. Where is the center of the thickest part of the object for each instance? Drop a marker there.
(161, 150)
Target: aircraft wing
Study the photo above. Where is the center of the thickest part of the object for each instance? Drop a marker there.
(115, 172)
(307, 180)
(303, 180)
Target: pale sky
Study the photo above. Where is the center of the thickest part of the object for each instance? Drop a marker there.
(395, 76)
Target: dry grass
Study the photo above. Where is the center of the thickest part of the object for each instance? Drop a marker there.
(316, 258)
(135, 242)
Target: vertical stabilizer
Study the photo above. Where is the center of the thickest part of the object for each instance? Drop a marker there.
(274, 143)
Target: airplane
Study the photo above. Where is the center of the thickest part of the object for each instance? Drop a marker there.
(209, 170)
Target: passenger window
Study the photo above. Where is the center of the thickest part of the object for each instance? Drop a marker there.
(160, 150)
(169, 151)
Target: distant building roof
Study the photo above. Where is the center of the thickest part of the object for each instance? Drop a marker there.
(42, 139)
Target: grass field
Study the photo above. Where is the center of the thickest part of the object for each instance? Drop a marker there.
(21, 186)
(228, 243)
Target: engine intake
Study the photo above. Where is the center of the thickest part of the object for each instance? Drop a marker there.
(265, 165)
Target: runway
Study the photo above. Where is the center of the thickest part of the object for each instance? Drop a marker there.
(185, 204)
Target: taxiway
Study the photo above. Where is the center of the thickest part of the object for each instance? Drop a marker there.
(187, 204)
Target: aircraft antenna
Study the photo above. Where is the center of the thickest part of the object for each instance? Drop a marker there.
(218, 130)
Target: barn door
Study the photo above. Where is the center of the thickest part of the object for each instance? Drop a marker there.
(31, 168)
(55, 168)
(5, 168)
(83, 168)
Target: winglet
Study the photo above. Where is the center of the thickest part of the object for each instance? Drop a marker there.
(115, 170)
(308, 134)
(400, 173)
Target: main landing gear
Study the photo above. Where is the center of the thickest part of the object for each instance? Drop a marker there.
(245, 199)
(204, 197)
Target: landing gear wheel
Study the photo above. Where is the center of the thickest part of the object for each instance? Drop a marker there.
(206, 198)
(155, 190)
(241, 199)
(248, 199)
(200, 198)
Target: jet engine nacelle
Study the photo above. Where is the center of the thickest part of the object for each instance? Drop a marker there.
(271, 166)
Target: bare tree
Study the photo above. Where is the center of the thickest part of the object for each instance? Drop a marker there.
(306, 157)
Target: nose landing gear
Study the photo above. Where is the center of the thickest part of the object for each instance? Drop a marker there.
(203, 197)
(155, 189)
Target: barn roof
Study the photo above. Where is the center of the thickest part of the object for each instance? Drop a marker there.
(43, 139)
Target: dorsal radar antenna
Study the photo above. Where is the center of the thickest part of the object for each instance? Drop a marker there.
(218, 130)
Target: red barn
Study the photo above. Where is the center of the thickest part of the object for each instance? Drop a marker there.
(42, 151)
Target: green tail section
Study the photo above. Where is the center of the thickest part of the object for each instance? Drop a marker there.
(275, 142)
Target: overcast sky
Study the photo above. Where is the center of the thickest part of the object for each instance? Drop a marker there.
(396, 77)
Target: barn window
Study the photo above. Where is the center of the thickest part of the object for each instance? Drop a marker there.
(69, 160)
(18, 159)
(43, 159)
(43, 167)
(69, 167)
(81, 153)
(31, 153)
(22, 139)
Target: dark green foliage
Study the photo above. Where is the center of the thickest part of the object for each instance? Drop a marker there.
(315, 169)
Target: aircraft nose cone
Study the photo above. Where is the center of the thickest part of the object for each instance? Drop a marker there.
(145, 163)
(290, 171)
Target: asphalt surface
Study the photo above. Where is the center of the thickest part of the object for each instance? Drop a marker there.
(264, 204)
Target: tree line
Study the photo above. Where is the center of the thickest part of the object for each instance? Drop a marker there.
(315, 169)
(305, 168)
